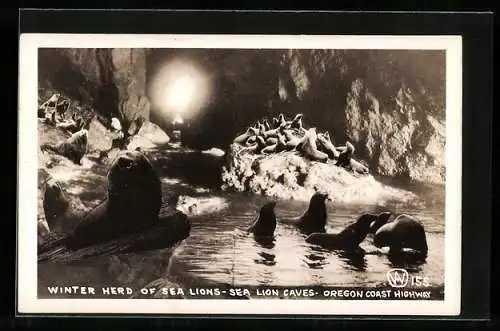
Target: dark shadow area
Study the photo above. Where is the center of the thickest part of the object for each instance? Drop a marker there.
(195, 168)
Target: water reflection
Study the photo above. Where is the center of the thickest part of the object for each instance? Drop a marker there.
(265, 242)
(409, 260)
(353, 258)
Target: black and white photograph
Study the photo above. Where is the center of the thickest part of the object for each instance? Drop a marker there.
(218, 174)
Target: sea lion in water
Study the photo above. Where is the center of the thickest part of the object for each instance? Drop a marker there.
(327, 145)
(344, 159)
(265, 223)
(309, 148)
(398, 233)
(315, 217)
(347, 239)
(74, 148)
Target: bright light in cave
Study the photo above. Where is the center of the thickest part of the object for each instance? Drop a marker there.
(179, 90)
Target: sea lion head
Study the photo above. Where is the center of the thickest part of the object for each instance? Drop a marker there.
(379, 220)
(55, 202)
(134, 184)
(317, 214)
(298, 117)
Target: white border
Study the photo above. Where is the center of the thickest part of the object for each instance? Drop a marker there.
(27, 186)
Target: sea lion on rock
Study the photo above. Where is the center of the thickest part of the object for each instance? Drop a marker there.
(132, 204)
(274, 132)
(399, 233)
(327, 145)
(358, 167)
(242, 138)
(347, 239)
(267, 125)
(270, 149)
(265, 223)
(74, 148)
(315, 217)
(71, 125)
(56, 206)
(296, 123)
(271, 141)
(309, 148)
(282, 143)
(344, 158)
(292, 140)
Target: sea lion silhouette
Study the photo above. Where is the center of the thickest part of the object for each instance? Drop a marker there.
(74, 148)
(265, 223)
(309, 148)
(398, 233)
(347, 239)
(314, 218)
(132, 205)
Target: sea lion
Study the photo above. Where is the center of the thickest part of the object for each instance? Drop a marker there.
(71, 125)
(265, 223)
(242, 138)
(274, 132)
(399, 233)
(271, 141)
(276, 122)
(296, 123)
(359, 167)
(262, 128)
(251, 141)
(56, 206)
(270, 149)
(74, 148)
(133, 200)
(309, 148)
(327, 145)
(347, 239)
(282, 143)
(344, 158)
(115, 124)
(314, 218)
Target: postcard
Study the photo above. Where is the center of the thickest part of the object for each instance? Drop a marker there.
(304, 175)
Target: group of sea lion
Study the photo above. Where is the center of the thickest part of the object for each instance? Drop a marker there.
(282, 135)
(132, 210)
(398, 232)
(54, 111)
